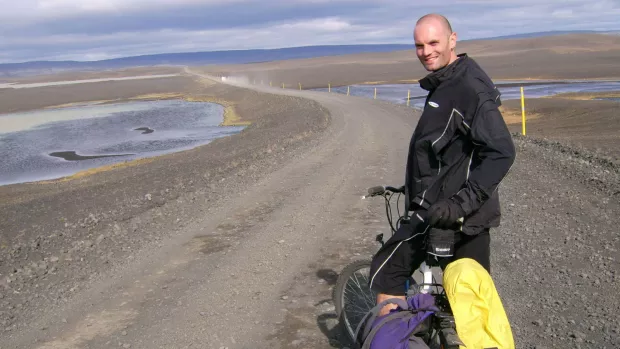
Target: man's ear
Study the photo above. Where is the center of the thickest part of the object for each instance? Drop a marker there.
(453, 41)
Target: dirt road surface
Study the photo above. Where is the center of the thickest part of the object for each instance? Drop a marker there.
(255, 269)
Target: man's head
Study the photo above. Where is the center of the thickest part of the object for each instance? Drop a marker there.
(434, 41)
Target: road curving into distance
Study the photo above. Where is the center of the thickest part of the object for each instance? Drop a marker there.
(256, 268)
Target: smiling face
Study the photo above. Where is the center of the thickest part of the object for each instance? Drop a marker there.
(435, 43)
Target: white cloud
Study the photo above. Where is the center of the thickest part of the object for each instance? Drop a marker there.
(95, 29)
(83, 47)
(45, 9)
(562, 13)
(319, 24)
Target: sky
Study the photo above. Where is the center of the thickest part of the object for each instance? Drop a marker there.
(101, 29)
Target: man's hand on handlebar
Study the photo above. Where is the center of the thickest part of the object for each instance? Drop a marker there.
(446, 214)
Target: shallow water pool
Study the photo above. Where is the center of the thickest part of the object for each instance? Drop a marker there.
(53, 143)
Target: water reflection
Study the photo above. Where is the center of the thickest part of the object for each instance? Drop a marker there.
(49, 144)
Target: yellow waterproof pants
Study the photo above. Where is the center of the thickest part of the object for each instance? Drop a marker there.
(481, 321)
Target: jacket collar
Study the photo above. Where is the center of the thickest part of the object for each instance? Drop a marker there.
(434, 79)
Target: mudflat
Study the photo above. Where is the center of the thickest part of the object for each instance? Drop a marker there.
(15, 100)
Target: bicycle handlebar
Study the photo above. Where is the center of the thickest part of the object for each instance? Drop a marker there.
(396, 190)
(380, 190)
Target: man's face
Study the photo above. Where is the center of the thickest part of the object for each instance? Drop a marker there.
(434, 45)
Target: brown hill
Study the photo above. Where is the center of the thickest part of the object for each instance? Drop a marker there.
(571, 56)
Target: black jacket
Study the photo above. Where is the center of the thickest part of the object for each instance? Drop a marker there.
(461, 147)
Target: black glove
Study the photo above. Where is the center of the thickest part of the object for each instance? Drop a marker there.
(445, 214)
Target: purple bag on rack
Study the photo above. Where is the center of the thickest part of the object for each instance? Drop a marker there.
(397, 329)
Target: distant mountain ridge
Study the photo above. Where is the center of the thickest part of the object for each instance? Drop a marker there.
(549, 33)
(229, 57)
(196, 58)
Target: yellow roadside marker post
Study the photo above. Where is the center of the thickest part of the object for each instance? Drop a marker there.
(375, 93)
(329, 87)
(282, 85)
(270, 84)
(522, 111)
(300, 86)
(408, 96)
(348, 90)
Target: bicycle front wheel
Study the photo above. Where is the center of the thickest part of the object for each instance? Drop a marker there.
(352, 295)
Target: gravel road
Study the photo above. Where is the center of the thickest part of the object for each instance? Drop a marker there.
(250, 260)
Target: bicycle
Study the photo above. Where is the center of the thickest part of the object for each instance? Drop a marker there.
(438, 331)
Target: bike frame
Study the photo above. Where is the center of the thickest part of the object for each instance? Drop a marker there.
(441, 332)
(387, 192)
(427, 273)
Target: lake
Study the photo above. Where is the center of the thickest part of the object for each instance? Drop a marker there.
(53, 143)
(397, 93)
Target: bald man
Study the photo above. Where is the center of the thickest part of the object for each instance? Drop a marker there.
(459, 153)
(435, 42)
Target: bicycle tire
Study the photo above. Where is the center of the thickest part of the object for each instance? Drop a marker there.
(346, 278)
(339, 299)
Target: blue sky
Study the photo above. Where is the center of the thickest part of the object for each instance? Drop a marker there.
(101, 29)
